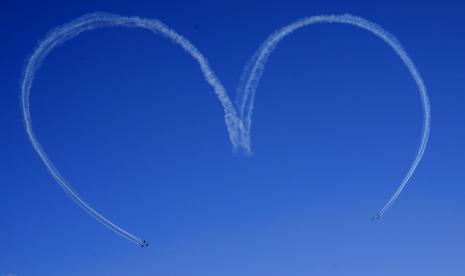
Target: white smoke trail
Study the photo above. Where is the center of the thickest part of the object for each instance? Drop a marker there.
(93, 21)
(254, 70)
(238, 126)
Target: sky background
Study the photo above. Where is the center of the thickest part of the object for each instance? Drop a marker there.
(129, 120)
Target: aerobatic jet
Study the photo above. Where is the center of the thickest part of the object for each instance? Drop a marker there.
(144, 243)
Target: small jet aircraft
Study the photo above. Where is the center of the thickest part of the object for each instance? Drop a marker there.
(144, 243)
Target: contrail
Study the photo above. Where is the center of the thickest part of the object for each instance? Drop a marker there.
(254, 71)
(238, 125)
(93, 21)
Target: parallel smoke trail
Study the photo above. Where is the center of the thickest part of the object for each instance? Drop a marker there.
(93, 21)
(254, 71)
(238, 125)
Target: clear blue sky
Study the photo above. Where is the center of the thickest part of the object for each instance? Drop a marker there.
(129, 120)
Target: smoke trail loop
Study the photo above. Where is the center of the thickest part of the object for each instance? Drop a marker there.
(254, 70)
(93, 21)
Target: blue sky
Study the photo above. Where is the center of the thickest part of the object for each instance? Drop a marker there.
(129, 120)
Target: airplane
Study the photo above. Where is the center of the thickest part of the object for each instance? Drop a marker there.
(376, 217)
(144, 243)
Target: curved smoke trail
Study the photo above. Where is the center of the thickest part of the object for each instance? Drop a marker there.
(254, 71)
(93, 21)
(238, 125)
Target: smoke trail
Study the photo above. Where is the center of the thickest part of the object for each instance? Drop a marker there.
(254, 70)
(238, 126)
(93, 21)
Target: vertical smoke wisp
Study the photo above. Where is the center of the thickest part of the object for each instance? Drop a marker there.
(254, 71)
(93, 21)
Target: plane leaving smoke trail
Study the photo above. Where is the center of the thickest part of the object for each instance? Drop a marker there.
(93, 21)
(254, 70)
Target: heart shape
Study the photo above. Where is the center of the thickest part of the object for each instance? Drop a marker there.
(238, 122)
